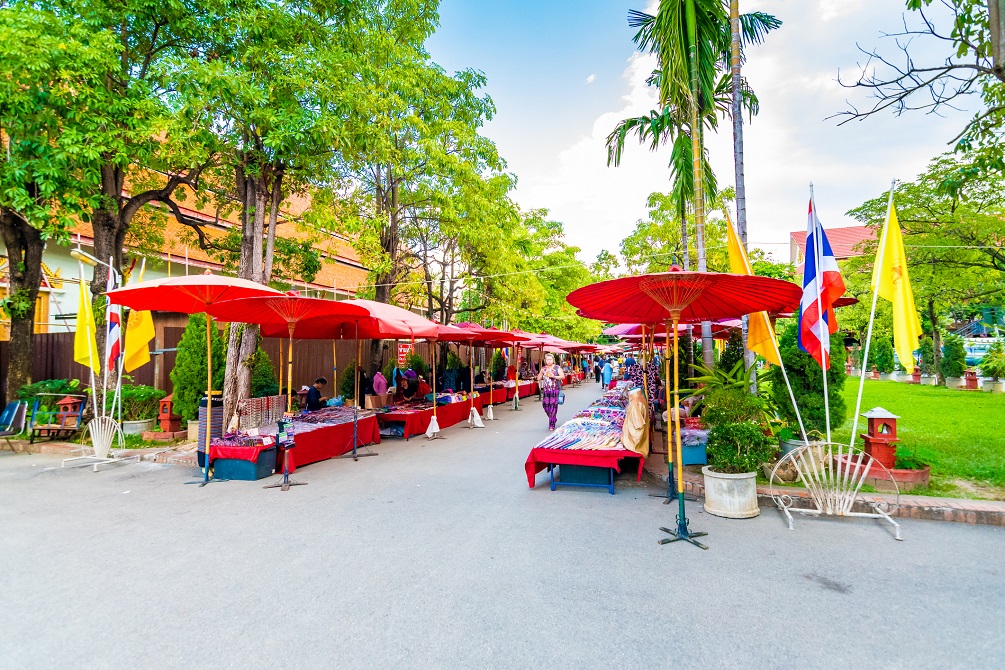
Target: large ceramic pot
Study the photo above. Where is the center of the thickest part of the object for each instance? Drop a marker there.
(928, 380)
(193, 431)
(887, 376)
(992, 386)
(787, 446)
(730, 496)
(137, 427)
(954, 382)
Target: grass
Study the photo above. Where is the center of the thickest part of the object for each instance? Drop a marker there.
(961, 434)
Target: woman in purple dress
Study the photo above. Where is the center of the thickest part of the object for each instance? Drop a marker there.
(550, 378)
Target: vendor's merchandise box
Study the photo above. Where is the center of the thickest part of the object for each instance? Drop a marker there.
(237, 469)
(583, 474)
(377, 401)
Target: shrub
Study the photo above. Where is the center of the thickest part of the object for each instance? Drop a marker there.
(954, 356)
(927, 356)
(263, 376)
(139, 402)
(883, 357)
(498, 366)
(59, 387)
(189, 372)
(739, 447)
(733, 351)
(808, 384)
(415, 362)
(346, 385)
(726, 406)
(453, 361)
(993, 363)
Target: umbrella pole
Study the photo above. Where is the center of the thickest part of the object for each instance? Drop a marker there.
(516, 389)
(682, 532)
(433, 431)
(289, 373)
(474, 420)
(209, 395)
(490, 415)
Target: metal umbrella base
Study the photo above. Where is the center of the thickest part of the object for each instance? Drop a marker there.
(671, 491)
(285, 483)
(682, 532)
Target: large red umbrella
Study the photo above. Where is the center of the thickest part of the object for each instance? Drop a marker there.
(191, 294)
(678, 296)
(290, 315)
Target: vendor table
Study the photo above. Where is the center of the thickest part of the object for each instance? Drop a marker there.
(417, 421)
(525, 390)
(539, 459)
(323, 442)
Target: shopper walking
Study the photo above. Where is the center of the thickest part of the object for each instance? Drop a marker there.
(550, 378)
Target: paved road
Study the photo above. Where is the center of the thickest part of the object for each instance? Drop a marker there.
(437, 555)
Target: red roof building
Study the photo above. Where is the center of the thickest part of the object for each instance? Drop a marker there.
(845, 242)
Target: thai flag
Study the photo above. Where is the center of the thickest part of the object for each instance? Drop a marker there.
(113, 317)
(822, 285)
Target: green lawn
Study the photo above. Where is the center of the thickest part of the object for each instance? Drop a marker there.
(961, 434)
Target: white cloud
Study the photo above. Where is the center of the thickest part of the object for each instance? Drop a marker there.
(592, 78)
(791, 142)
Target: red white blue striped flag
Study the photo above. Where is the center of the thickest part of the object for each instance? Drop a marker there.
(113, 317)
(822, 285)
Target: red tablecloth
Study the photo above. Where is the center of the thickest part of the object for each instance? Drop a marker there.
(329, 441)
(416, 423)
(239, 453)
(539, 459)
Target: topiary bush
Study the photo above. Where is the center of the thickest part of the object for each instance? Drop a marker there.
(927, 356)
(498, 366)
(993, 363)
(883, 355)
(189, 372)
(346, 385)
(808, 384)
(954, 356)
(735, 448)
(263, 376)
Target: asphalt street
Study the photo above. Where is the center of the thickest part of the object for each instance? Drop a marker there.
(438, 555)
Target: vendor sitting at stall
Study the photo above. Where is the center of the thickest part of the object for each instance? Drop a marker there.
(408, 387)
(315, 400)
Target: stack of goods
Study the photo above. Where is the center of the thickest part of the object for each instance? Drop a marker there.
(237, 440)
(450, 398)
(328, 416)
(405, 408)
(584, 434)
(258, 412)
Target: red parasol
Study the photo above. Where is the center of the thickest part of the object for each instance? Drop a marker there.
(678, 296)
(191, 294)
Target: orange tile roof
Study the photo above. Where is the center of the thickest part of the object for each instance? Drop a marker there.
(340, 264)
(845, 242)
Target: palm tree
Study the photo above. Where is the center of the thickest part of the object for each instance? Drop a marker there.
(692, 40)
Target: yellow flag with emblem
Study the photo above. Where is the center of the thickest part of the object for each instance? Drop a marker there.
(85, 341)
(760, 334)
(890, 281)
(139, 333)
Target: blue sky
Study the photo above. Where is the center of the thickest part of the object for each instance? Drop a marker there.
(562, 73)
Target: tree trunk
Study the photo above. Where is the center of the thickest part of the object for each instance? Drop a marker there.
(389, 242)
(24, 262)
(697, 170)
(936, 343)
(996, 16)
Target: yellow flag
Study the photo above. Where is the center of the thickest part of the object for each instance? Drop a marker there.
(890, 278)
(139, 334)
(85, 342)
(760, 334)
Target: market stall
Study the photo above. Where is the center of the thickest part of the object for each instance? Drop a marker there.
(591, 439)
(415, 418)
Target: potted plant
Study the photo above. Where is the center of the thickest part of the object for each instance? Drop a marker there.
(928, 377)
(736, 451)
(993, 365)
(884, 359)
(954, 361)
(140, 404)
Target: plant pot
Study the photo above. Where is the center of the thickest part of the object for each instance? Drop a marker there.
(928, 380)
(137, 427)
(788, 446)
(954, 382)
(991, 386)
(193, 431)
(730, 496)
(887, 376)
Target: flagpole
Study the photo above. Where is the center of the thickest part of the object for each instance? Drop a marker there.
(872, 318)
(87, 332)
(817, 278)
